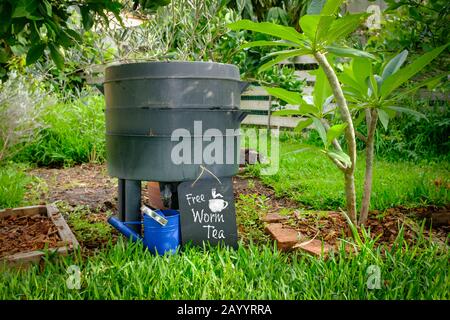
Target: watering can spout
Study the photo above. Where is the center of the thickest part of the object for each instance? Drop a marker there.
(124, 229)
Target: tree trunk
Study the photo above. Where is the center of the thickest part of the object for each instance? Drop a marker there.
(371, 127)
(350, 196)
(349, 133)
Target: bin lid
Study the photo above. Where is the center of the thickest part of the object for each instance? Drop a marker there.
(171, 69)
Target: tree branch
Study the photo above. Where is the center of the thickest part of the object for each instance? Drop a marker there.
(361, 136)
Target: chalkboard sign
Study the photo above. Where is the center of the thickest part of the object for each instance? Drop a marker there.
(207, 212)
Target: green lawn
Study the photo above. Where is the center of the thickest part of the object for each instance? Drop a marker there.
(312, 179)
(254, 272)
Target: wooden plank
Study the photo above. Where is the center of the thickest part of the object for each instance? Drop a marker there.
(64, 231)
(307, 59)
(254, 119)
(308, 90)
(259, 105)
(254, 91)
(23, 211)
(275, 121)
(285, 122)
(22, 259)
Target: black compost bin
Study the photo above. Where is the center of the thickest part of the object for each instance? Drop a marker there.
(147, 102)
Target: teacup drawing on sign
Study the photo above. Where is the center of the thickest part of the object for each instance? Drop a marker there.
(216, 204)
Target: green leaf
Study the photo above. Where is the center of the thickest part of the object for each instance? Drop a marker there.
(86, 18)
(340, 156)
(303, 110)
(4, 55)
(321, 130)
(349, 52)
(340, 28)
(415, 113)
(331, 6)
(263, 43)
(335, 131)
(282, 32)
(288, 96)
(306, 108)
(48, 8)
(351, 85)
(397, 79)
(322, 89)
(362, 68)
(383, 116)
(74, 35)
(315, 27)
(360, 118)
(394, 64)
(374, 83)
(303, 124)
(19, 12)
(34, 53)
(56, 55)
(282, 57)
(24, 8)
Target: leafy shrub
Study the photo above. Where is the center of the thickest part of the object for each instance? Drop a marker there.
(21, 106)
(409, 138)
(74, 133)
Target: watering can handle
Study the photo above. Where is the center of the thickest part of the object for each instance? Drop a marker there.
(154, 215)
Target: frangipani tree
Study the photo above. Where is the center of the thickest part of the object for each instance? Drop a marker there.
(320, 34)
(375, 94)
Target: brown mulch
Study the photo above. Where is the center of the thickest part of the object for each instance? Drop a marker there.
(28, 233)
(332, 226)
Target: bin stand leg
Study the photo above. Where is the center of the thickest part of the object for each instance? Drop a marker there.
(133, 203)
(121, 199)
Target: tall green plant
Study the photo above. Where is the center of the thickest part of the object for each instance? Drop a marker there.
(321, 33)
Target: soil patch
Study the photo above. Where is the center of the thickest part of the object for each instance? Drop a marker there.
(84, 185)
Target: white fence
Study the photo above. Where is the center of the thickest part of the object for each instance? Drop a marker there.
(260, 104)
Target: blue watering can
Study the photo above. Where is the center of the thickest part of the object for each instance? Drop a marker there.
(158, 238)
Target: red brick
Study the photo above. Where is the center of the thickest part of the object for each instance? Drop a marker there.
(273, 217)
(314, 247)
(286, 237)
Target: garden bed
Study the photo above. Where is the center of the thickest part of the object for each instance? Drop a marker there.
(87, 196)
(25, 233)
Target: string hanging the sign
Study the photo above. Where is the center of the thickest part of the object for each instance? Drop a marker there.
(201, 173)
